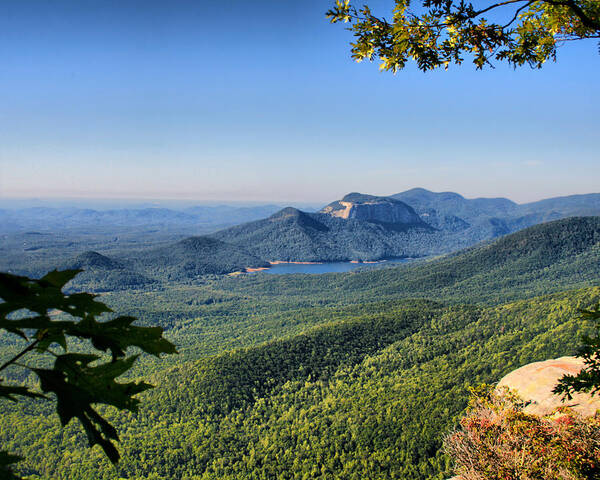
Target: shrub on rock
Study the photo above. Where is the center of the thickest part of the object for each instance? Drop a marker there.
(497, 440)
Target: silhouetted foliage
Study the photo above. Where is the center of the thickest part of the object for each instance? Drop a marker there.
(588, 379)
(42, 315)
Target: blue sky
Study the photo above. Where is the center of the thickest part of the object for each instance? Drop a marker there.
(260, 101)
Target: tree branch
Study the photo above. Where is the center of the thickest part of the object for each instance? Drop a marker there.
(578, 11)
(496, 5)
(519, 10)
(571, 4)
(19, 355)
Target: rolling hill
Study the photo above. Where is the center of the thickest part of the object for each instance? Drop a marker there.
(102, 273)
(369, 396)
(538, 260)
(192, 257)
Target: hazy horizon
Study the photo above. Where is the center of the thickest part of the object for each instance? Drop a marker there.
(149, 202)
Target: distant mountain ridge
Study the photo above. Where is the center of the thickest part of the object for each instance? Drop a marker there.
(54, 218)
(293, 235)
(450, 203)
(358, 227)
(414, 223)
(586, 204)
(469, 209)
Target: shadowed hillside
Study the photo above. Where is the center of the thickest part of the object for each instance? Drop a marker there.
(195, 256)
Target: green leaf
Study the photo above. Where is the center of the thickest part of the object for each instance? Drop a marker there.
(7, 459)
(7, 391)
(77, 385)
(119, 334)
(58, 278)
(42, 295)
(77, 380)
(82, 304)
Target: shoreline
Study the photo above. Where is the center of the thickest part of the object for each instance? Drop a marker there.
(284, 262)
(254, 269)
(279, 262)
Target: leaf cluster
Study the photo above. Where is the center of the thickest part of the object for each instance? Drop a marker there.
(40, 313)
(518, 32)
(588, 379)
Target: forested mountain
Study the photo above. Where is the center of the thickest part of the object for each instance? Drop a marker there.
(410, 224)
(91, 259)
(332, 376)
(293, 235)
(367, 396)
(185, 259)
(538, 260)
(496, 215)
(192, 257)
(564, 250)
(101, 273)
(450, 203)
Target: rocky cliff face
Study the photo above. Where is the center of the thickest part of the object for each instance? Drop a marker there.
(373, 209)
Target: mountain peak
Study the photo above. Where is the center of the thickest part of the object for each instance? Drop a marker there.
(291, 215)
(92, 259)
(356, 197)
(417, 190)
(286, 212)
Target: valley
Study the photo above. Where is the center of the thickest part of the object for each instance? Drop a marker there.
(346, 375)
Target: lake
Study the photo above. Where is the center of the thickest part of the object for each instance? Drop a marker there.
(329, 267)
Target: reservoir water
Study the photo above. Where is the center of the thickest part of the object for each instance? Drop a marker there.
(329, 267)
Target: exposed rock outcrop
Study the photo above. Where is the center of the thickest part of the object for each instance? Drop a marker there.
(534, 382)
(373, 209)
